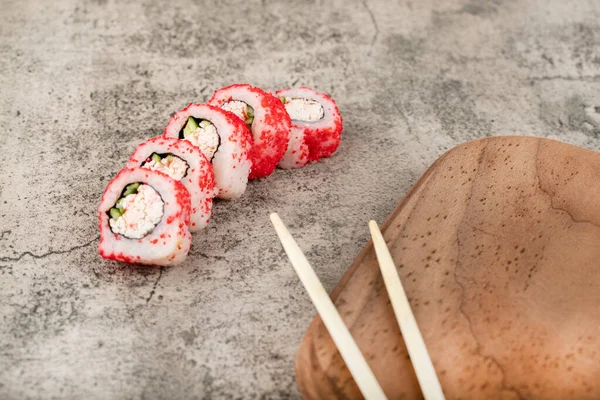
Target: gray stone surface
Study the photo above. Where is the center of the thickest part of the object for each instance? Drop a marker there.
(82, 82)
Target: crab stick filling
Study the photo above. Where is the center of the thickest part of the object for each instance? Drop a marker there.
(203, 134)
(241, 109)
(168, 164)
(305, 110)
(137, 212)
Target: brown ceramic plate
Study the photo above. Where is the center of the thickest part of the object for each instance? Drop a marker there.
(498, 247)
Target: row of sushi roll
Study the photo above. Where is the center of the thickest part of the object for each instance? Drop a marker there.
(209, 150)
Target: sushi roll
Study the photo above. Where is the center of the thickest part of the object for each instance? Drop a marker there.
(183, 162)
(316, 118)
(223, 138)
(144, 217)
(267, 119)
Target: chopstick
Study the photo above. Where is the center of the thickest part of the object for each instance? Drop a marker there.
(362, 374)
(428, 380)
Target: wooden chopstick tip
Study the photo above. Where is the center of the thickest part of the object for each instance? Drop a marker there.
(277, 222)
(375, 231)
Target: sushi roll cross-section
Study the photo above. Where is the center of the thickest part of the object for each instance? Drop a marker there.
(267, 119)
(316, 119)
(183, 162)
(223, 138)
(144, 217)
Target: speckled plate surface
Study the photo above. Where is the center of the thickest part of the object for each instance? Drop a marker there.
(497, 249)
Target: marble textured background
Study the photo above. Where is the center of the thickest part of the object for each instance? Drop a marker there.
(83, 82)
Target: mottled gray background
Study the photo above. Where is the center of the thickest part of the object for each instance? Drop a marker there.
(81, 83)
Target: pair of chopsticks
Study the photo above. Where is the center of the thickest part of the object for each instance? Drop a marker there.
(356, 363)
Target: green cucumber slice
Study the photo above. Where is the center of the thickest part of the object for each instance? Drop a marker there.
(155, 157)
(115, 213)
(282, 99)
(131, 189)
(190, 127)
(250, 112)
(249, 120)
